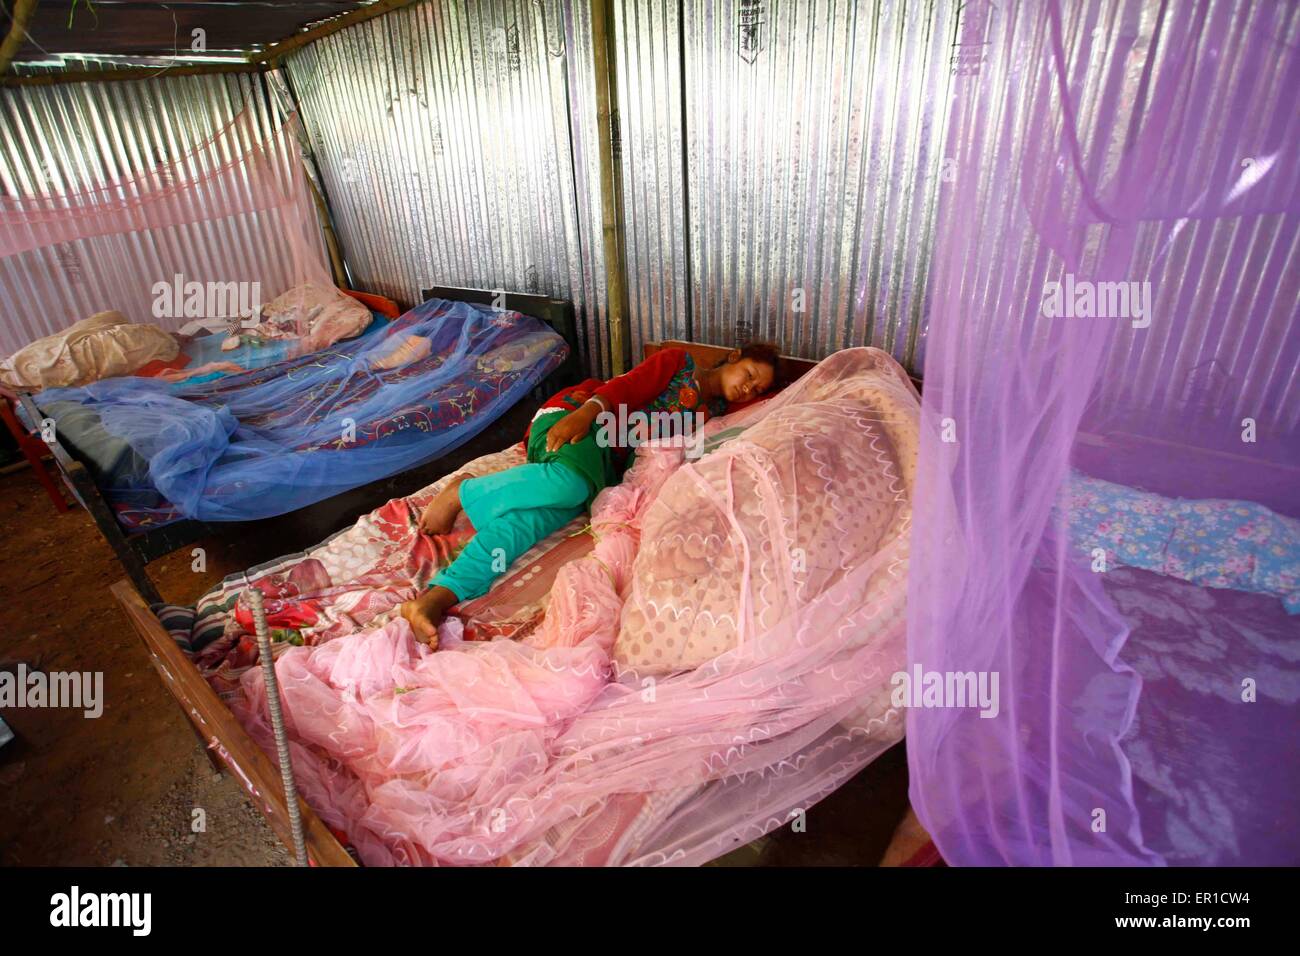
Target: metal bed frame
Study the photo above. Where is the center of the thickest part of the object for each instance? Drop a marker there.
(135, 549)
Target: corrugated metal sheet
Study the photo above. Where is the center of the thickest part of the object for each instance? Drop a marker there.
(457, 142)
(442, 132)
(781, 163)
(58, 138)
(1212, 275)
(1215, 273)
(765, 148)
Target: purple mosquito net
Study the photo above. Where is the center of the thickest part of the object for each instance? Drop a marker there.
(1109, 459)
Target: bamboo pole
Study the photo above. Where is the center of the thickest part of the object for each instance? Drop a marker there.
(327, 227)
(132, 73)
(606, 90)
(21, 16)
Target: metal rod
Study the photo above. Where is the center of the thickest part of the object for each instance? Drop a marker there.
(130, 73)
(277, 724)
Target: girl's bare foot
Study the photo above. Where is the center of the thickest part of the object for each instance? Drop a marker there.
(426, 612)
(440, 514)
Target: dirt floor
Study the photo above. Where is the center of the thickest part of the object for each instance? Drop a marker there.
(133, 788)
(122, 788)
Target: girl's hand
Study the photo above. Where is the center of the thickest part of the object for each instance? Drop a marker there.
(572, 428)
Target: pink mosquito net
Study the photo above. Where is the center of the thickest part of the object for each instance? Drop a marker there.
(229, 223)
(1106, 499)
(718, 662)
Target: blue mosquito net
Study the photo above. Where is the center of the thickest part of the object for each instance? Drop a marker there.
(278, 438)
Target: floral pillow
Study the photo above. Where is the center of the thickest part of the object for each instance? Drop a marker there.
(1215, 543)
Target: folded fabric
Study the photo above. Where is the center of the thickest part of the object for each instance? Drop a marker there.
(314, 316)
(158, 367)
(1215, 543)
(102, 346)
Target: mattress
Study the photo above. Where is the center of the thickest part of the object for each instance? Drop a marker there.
(111, 460)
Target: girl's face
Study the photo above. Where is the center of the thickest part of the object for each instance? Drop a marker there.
(745, 379)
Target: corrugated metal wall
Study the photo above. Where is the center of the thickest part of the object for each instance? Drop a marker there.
(1213, 270)
(457, 143)
(782, 162)
(63, 137)
(753, 140)
(768, 150)
(443, 136)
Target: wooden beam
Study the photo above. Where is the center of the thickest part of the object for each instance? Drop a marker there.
(276, 52)
(327, 228)
(133, 73)
(221, 733)
(606, 93)
(21, 16)
(273, 55)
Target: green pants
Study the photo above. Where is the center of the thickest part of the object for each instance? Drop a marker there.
(512, 510)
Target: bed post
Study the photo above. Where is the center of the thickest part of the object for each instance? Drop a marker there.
(33, 450)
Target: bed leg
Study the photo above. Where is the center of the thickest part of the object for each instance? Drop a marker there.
(43, 476)
(135, 569)
(34, 451)
(218, 767)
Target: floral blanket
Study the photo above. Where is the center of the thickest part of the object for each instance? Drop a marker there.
(357, 578)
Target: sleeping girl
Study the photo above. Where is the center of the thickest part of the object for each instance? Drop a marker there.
(569, 462)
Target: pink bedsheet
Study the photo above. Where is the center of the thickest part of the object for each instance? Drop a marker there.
(717, 662)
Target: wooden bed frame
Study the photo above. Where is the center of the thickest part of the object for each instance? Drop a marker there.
(707, 356)
(135, 549)
(224, 737)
